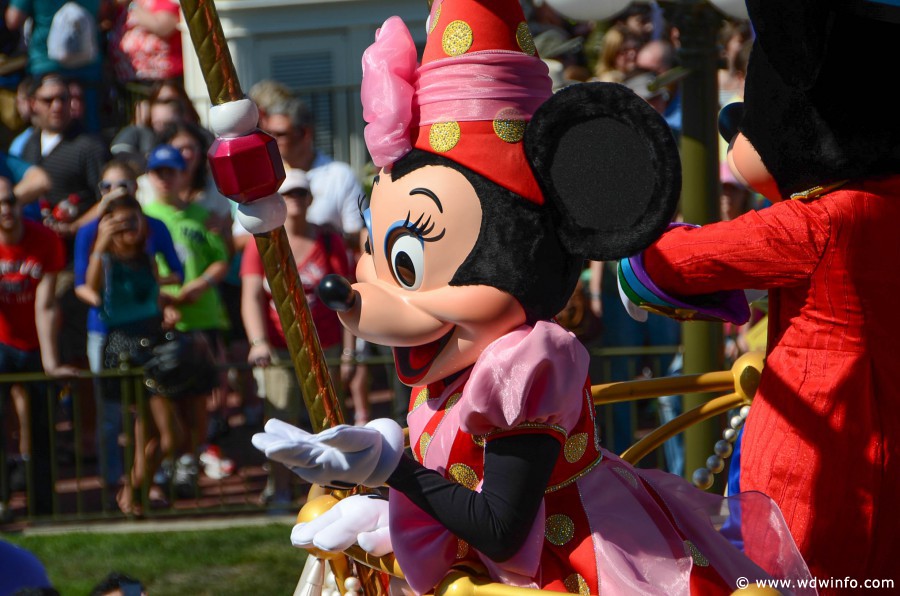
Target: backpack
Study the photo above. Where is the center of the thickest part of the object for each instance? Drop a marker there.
(72, 40)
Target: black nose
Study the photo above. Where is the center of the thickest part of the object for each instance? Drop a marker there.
(336, 293)
(729, 119)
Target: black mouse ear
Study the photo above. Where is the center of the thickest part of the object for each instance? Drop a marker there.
(608, 165)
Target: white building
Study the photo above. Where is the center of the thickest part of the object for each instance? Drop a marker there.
(314, 47)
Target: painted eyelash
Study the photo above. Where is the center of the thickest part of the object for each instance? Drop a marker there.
(422, 230)
(362, 203)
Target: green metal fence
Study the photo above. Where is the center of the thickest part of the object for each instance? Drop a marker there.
(72, 452)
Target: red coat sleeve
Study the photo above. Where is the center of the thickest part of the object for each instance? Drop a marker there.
(776, 247)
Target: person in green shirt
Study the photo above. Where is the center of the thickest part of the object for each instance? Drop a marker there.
(202, 253)
(204, 257)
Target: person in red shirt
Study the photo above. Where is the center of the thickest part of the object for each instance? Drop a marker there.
(30, 257)
(146, 42)
(317, 252)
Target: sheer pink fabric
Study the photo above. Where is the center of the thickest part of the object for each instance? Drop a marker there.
(530, 375)
(388, 85)
(482, 86)
(517, 378)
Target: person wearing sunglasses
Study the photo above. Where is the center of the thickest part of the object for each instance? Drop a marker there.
(72, 158)
(31, 256)
(118, 177)
(107, 186)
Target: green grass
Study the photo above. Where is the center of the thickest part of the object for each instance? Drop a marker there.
(244, 561)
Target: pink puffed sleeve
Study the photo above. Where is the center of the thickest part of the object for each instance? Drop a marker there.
(529, 380)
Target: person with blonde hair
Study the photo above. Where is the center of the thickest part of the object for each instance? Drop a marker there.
(618, 56)
(266, 94)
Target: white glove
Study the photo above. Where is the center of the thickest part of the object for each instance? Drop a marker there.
(340, 457)
(634, 311)
(361, 519)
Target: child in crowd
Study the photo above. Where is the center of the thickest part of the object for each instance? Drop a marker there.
(125, 283)
(118, 176)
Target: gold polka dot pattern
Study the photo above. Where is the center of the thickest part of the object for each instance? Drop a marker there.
(696, 555)
(453, 399)
(444, 136)
(524, 39)
(627, 476)
(559, 529)
(464, 475)
(424, 441)
(575, 584)
(457, 38)
(462, 548)
(510, 131)
(434, 21)
(421, 398)
(575, 447)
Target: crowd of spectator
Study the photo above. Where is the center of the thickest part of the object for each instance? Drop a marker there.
(112, 230)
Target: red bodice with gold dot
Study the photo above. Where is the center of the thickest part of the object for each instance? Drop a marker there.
(580, 452)
(568, 563)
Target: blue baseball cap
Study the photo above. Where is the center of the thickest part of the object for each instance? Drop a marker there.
(166, 156)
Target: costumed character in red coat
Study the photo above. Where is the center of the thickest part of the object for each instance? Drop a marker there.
(817, 135)
(491, 193)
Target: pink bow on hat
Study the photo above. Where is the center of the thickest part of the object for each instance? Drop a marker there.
(397, 94)
(388, 86)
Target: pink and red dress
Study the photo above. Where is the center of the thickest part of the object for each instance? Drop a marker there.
(604, 526)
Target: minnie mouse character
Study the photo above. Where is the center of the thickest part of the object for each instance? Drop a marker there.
(491, 194)
(823, 436)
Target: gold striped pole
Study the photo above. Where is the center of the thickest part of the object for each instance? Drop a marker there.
(281, 270)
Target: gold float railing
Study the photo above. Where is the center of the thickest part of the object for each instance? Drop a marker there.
(741, 381)
(653, 440)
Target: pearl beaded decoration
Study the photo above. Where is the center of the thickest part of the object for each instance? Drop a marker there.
(703, 477)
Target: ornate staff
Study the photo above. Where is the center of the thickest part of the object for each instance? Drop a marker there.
(247, 168)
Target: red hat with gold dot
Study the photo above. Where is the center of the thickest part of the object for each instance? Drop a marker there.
(478, 85)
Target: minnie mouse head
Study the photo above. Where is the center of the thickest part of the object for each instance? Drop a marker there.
(492, 191)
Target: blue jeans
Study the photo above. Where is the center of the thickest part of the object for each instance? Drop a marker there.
(14, 360)
(621, 330)
(669, 408)
(109, 415)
